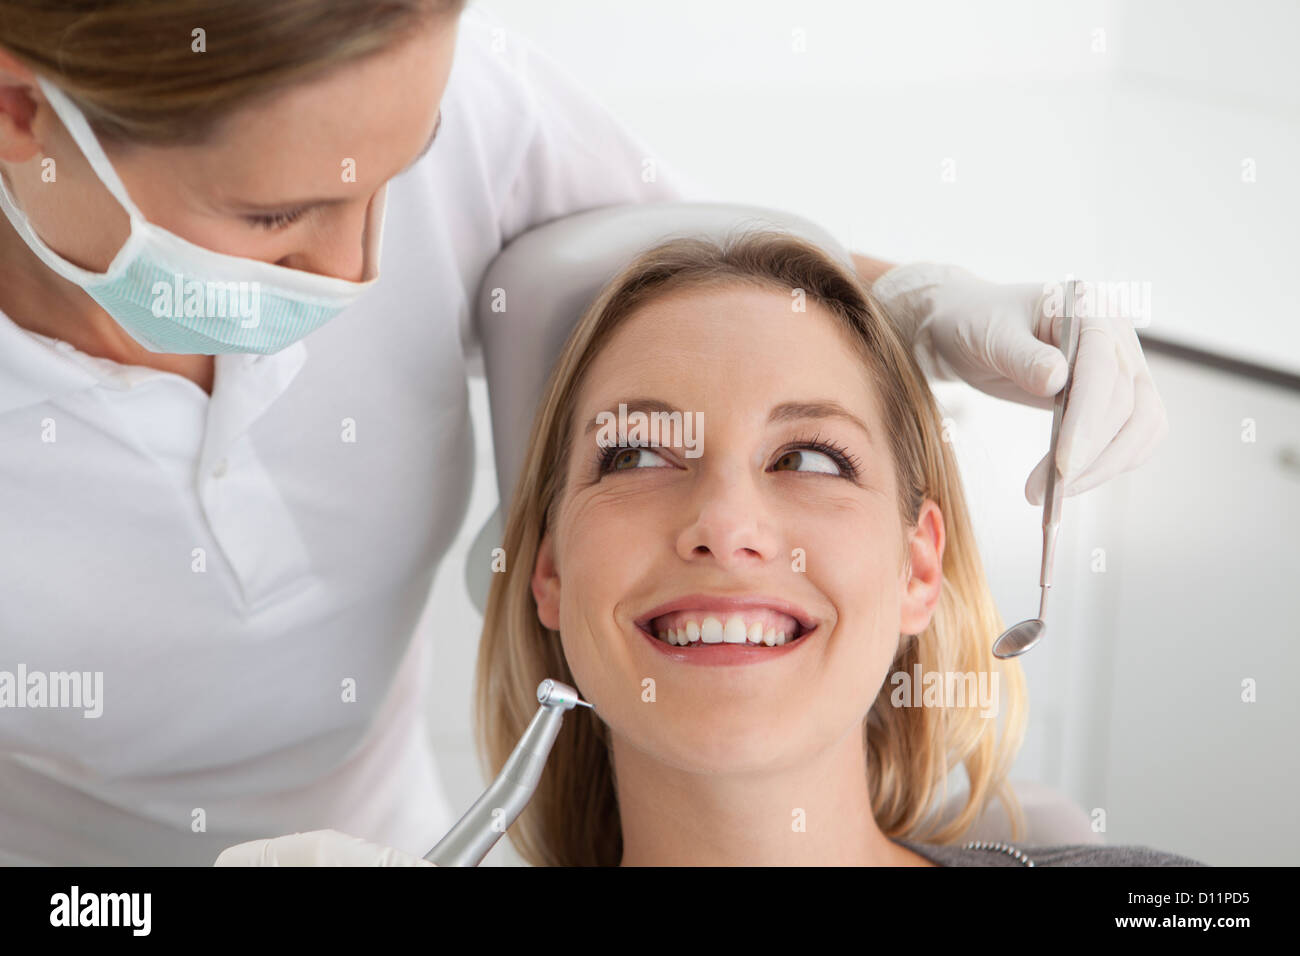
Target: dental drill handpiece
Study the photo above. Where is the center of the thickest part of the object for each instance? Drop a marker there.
(1052, 503)
(505, 798)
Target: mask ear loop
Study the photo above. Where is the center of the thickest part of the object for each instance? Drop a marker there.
(374, 238)
(86, 140)
(23, 226)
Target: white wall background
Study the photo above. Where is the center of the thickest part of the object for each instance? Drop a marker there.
(1100, 139)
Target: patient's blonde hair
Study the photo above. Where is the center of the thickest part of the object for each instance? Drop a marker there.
(573, 818)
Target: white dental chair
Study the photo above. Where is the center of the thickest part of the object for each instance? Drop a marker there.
(550, 275)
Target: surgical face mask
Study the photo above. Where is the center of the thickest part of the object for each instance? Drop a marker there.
(173, 296)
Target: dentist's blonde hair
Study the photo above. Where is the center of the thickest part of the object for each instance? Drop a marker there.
(573, 818)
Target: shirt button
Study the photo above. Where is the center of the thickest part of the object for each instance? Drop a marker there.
(220, 470)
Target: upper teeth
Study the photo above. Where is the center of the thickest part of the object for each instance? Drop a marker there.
(737, 629)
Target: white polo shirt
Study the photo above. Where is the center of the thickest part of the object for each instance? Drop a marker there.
(246, 570)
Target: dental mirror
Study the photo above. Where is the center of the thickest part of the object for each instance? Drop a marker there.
(1021, 637)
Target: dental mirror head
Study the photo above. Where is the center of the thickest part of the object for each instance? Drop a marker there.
(1019, 638)
(1015, 640)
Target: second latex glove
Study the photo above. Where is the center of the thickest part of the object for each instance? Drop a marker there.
(316, 848)
(1002, 340)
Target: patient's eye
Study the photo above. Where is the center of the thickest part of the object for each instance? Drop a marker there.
(825, 457)
(820, 460)
(622, 458)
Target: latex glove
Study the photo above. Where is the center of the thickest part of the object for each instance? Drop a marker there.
(316, 848)
(996, 338)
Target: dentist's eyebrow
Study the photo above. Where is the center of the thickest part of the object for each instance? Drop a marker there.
(306, 204)
(785, 412)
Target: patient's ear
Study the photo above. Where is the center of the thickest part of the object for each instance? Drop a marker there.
(923, 585)
(546, 585)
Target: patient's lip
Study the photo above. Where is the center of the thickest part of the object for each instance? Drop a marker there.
(724, 604)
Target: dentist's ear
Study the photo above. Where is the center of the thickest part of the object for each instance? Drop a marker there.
(546, 584)
(923, 575)
(18, 138)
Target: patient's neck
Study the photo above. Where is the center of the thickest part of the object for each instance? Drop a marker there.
(674, 818)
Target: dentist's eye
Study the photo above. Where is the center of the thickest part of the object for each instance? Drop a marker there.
(825, 457)
(620, 458)
(277, 220)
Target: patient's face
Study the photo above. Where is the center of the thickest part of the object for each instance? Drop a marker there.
(765, 511)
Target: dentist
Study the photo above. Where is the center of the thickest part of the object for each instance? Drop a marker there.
(232, 458)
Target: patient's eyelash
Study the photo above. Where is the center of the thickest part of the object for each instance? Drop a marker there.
(276, 220)
(605, 455)
(848, 462)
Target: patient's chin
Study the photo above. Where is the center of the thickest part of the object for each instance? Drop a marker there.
(744, 742)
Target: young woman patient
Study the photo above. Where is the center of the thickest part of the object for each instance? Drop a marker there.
(735, 591)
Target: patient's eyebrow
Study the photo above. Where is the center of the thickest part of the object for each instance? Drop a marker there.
(647, 405)
(822, 408)
(785, 412)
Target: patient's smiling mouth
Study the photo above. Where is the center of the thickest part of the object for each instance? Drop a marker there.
(700, 624)
(755, 626)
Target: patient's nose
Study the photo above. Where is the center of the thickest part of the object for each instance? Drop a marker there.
(727, 521)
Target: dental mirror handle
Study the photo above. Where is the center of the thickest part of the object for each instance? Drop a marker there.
(1054, 494)
(487, 820)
